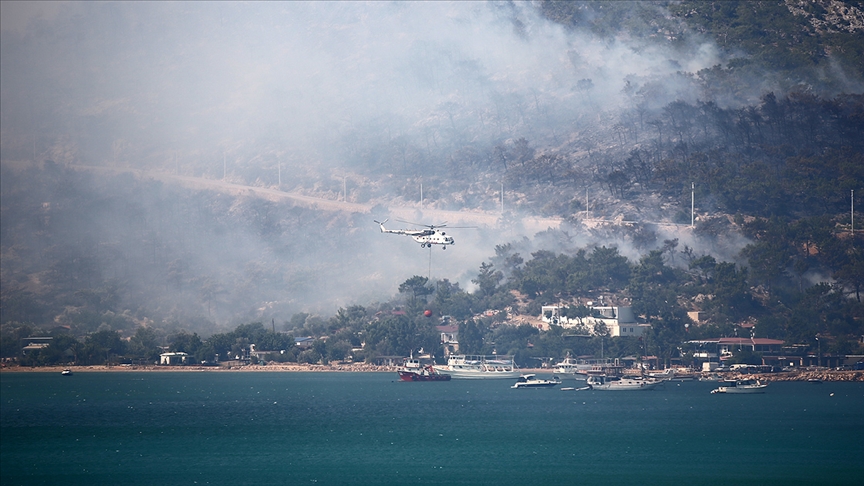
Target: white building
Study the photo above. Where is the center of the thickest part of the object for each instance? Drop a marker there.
(449, 338)
(619, 321)
(35, 343)
(174, 358)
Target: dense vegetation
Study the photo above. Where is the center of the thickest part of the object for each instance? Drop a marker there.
(770, 37)
(781, 307)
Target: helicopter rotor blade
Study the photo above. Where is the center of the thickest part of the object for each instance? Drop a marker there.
(430, 226)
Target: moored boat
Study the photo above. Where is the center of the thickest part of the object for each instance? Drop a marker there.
(615, 383)
(673, 374)
(741, 387)
(476, 367)
(666, 374)
(414, 371)
(583, 367)
(567, 366)
(599, 369)
(66, 372)
(531, 381)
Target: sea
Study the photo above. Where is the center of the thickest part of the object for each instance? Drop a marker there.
(320, 428)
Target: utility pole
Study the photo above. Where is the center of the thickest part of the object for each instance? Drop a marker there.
(819, 358)
(692, 204)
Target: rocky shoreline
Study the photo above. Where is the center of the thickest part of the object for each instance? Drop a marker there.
(810, 375)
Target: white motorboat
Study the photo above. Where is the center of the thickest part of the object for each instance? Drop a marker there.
(531, 381)
(614, 383)
(742, 387)
(476, 367)
(66, 372)
(567, 366)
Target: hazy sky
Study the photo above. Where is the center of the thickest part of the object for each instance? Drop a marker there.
(142, 84)
(303, 75)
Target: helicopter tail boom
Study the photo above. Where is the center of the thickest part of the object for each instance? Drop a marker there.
(381, 224)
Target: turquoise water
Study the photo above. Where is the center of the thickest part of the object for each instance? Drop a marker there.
(368, 428)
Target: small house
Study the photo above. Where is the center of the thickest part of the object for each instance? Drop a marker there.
(173, 359)
(304, 342)
(35, 343)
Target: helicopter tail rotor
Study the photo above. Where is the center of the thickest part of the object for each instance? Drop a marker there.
(381, 223)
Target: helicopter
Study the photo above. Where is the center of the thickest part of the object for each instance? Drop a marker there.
(426, 237)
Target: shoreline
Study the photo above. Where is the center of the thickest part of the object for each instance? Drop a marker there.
(301, 368)
(802, 375)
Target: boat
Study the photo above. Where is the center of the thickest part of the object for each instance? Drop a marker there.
(616, 383)
(666, 374)
(581, 368)
(531, 381)
(673, 374)
(567, 366)
(476, 367)
(414, 371)
(741, 387)
(66, 372)
(599, 369)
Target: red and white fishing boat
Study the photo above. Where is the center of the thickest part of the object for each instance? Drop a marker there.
(414, 371)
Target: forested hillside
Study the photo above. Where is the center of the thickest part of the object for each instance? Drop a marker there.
(614, 117)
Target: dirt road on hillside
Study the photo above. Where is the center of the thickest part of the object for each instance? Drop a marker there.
(472, 217)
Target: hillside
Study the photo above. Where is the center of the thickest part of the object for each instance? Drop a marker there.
(217, 166)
